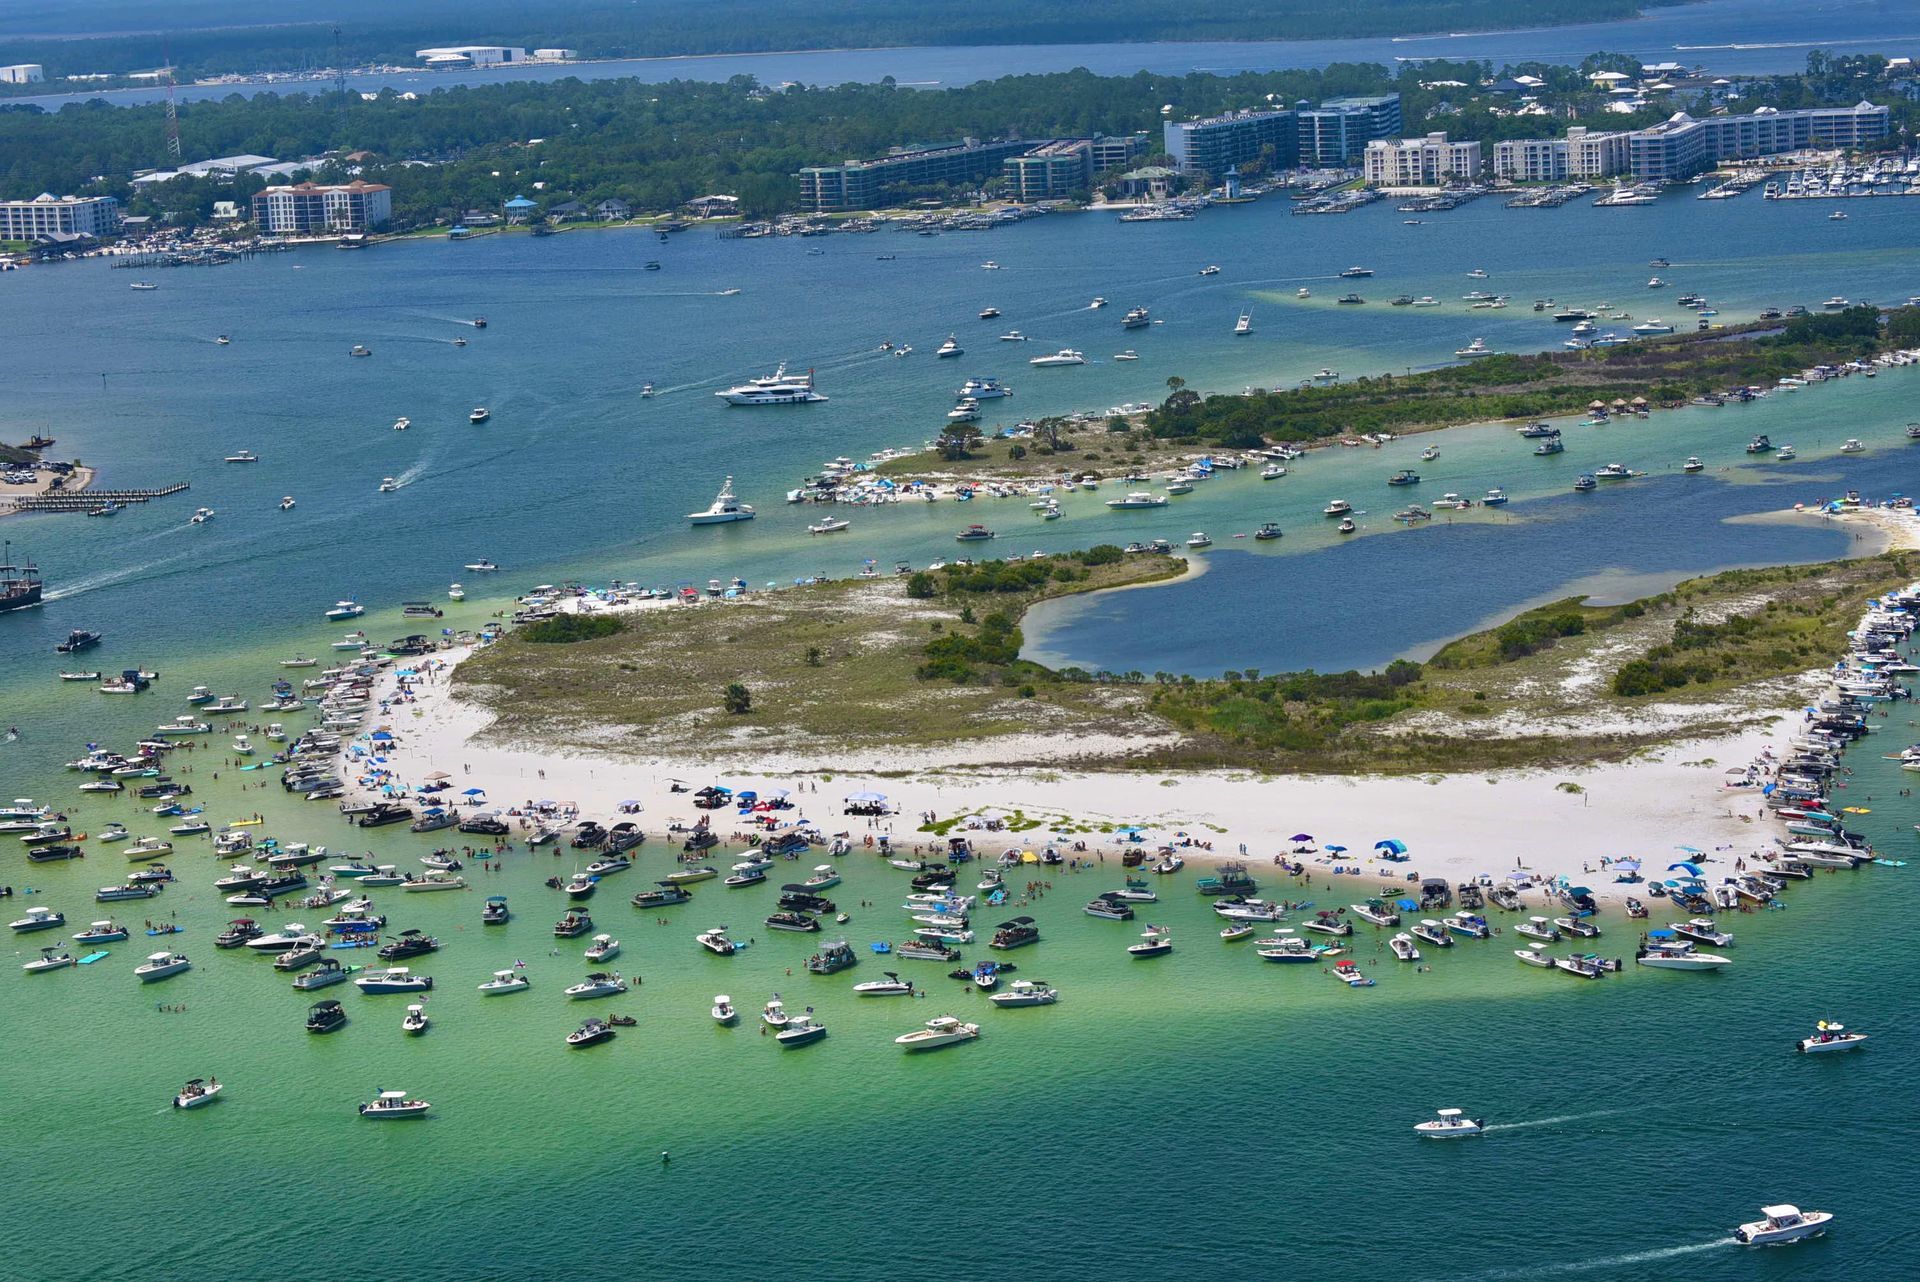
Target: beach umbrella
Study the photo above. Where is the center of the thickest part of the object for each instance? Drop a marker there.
(381, 736)
(1691, 869)
(867, 796)
(1301, 836)
(1336, 849)
(474, 792)
(1692, 850)
(439, 774)
(1392, 845)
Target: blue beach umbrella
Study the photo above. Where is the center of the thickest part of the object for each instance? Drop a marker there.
(1391, 844)
(474, 792)
(1336, 849)
(1693, 869)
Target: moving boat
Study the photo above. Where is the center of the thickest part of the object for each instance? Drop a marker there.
(1449, 1124)
(943, 1030)
(1244, 325)
(394, 1104)
(776, 389)
(479, 414)
(725, 508)
(197, 1093)
(1783, 1223)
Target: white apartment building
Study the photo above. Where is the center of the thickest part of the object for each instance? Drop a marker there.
(48, 215)
(1583, 153)
(1421, 162)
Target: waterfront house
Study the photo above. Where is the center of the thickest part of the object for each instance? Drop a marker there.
(519, 209)
(613, 209)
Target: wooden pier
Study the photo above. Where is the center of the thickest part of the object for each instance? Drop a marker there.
(88, 500)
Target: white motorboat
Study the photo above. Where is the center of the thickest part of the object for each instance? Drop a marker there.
(774, 1014)
(49, 959)
(1128, 355)
(1138, 499)
(1244, 325)
(433, 881)
(891, 986)
(346, 610)
(1829, 1036)
(776, 389)
(1155, 941)
(455, 592)
(830, 525)
(147, 848)
(824, 876)
(1199, 539)
(951, 347)
(1025, 992)
(479, 414)
(1449, 1124)
(415, 1021)
(1783, 1223)
(198, 1093)
(506, 981)
(984, 389)
(394, 1105)
(1477, 348)
(1663, 951)
(1065, 356)
(1533, 956)
(1404, 948)
(603, 948)
(943, 1030)
(161, 966)
(101, 932)
(391, 979)
(598, 984)
(1539, 928)
(800, 1030)
(724, 1012)
(725, 508)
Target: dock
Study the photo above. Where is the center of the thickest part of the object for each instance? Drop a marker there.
(87, 500)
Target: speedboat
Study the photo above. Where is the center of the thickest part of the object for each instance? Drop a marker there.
(1155, 941)
(1065, 356)
(1449, 1124)
(800, 1030)
(1783, 1223)
(1693, 464)
(101, 932)
(1701, 930)
(506, 981)
(943, 1030)
(1663, 951)
(38, 919)
(415, 1021)
(161, 966)
(55, 958)
(391, 979)
(197, 1093)
(1477, 348)
(604, 948)
(347, 610)
(1199, 539)
(394, 1104)
(951, 347)
(479, 414)
(591, 1033)
(1538, 928)
(891, 986)
(1830, 1036)
(715, 941)
(597, 984)
(1534, 957)
(725, 508)
(1025, 992)
(1404, 948)
(724, 1013)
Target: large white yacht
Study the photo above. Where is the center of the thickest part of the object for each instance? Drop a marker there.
(1065, 356)
(943, 1031)
(777, 388)
(725, 508)
(1138, 499)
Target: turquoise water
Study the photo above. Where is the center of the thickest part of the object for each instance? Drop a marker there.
(1207, 1108)
(1745, 36)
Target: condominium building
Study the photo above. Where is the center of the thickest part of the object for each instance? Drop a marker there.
(1683, 146)
(870, 184)
(59, 217)
(1421, 162)
(1581, 154)
(1336, 133)
(1218, 143)
(1055, 169)
(310, 209)
(1117, 152)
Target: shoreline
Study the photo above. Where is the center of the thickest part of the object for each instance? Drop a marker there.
(78, 482)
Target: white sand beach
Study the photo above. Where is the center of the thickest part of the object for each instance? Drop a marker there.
(1659, 809)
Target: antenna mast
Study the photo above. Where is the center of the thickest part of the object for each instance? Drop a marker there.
(173, 110)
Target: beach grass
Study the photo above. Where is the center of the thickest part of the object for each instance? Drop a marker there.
(906, 665)
(829, 666)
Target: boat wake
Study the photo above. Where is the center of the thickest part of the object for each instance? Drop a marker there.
(412, 474)
(111, 578)
(1609, 1262)
(1554, 1121)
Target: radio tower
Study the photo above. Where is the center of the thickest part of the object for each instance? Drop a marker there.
(340, 83)
(173, 110)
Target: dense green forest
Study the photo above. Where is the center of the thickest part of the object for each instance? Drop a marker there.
(208, 37)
